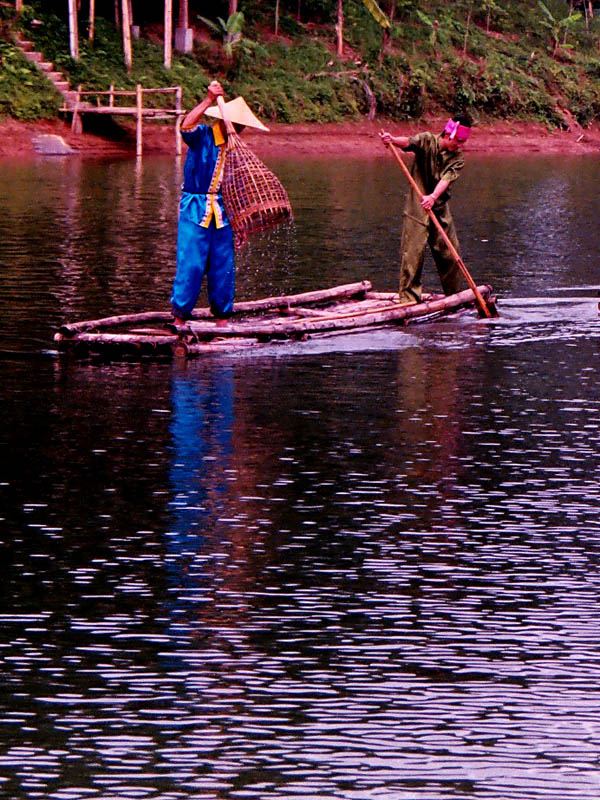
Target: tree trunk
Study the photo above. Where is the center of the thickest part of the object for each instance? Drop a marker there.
(73, 31)
(467, 29)
(276, 17)
(126, 27)
(233, 7)
(386, 36)
(117, 15)
(92, 20)
(168, 36)
(183, 14)
(339, 29)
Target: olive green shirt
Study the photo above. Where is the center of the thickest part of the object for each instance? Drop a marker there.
(431, 165)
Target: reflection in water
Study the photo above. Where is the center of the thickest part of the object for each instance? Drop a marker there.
(201, 431)
(355, 567)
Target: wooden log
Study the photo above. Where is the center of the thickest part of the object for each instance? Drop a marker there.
(138, 128)
(120, 338)
(168, 34)
(282, 327)
(346, 290)
(346, 307)
(317, 296)
(178, 119)
(108, 322)
(73, 31)
(76, 126)
(221, 345)
(92, 20)
(126, 30)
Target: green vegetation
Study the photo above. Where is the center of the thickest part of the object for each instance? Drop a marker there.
(24, 92)
(517, 59)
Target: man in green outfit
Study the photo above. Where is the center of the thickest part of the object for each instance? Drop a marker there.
(438, 162)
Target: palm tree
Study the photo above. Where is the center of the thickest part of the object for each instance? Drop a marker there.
(557, 26)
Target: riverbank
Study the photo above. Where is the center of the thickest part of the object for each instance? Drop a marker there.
(351, 139)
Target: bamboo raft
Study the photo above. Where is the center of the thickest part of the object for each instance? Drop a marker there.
(327, 312)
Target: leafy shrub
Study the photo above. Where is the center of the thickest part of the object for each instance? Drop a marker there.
(24, 92)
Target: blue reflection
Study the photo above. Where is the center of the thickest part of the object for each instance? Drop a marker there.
(201, 432)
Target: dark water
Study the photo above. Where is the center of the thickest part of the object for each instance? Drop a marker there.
(365, 567)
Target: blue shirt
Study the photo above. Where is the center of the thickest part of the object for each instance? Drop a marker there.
(202, 198)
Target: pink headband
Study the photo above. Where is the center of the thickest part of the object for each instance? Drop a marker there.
(456, 130)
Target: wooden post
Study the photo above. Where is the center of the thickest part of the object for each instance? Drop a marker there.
(138, 132)
(126, 35)
(183, 13)
(92, 20)
(184, 36)
(178, 118)
(76, 126)
(111, 96)
(73, 30)
(168, 35)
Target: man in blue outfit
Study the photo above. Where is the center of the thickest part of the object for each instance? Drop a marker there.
(205, 238)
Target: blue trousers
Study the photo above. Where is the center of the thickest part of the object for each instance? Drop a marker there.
(203, 251)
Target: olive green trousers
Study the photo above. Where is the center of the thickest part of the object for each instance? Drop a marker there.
(417, 232)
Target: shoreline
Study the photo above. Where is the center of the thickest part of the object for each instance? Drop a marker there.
(348, 139)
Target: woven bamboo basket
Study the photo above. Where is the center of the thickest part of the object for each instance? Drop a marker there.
(254, 197)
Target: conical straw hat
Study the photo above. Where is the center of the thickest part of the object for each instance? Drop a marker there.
(238, 112)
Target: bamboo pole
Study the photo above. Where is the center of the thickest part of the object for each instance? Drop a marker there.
(126, 35)
(168, 34)
(138, 130)
(73, 30)
(486, 310)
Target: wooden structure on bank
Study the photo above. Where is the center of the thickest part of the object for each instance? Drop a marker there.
(342, 309)
(111, 102)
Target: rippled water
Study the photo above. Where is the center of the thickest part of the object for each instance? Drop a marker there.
(360, 567)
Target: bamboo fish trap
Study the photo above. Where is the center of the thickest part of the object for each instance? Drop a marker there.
(254, 197)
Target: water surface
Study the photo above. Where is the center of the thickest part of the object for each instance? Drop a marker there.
(359, 567)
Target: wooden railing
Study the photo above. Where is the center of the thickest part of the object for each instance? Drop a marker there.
(82, 105)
